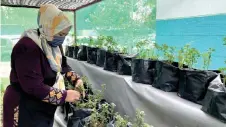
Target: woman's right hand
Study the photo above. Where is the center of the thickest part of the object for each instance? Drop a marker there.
(72, 96)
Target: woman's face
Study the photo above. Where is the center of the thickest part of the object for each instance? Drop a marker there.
(58, 38)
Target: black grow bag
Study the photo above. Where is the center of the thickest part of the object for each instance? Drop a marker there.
(111, 61)
(78, 118)
(66, 51)
(100, 57)
(70, 51)
(124, 64)
(75, 52)
(166, 76)
(66, 109)
(91, 55)
(82, 53)
(143, 71)
(214, 103)
(193, 84)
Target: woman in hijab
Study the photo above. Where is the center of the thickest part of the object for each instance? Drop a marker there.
(37, 64)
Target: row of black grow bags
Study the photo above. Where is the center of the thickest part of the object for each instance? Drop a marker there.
(190, 84)
(111, 61)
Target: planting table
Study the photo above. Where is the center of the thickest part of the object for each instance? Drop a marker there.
(162, 109)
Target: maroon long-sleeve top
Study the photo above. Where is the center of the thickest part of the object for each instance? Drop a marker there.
(31, 80)
(30, 68)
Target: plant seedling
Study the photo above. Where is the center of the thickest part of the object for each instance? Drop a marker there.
(168, 53)
(139, 121)
(224, 41)
(188, 56)
(110, 44)
(100, 41)
(223, 71)
(91, 42)
(121, 121)
(207, 58)
(145, 51)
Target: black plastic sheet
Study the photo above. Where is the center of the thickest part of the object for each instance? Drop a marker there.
(166, 76)
(100, 57)
(75, 52)
(111, 61)
(143, 71)
(193, 84)
(82, 53)
(124, 64)
(214, 103)
(91, 55)
(70, 51)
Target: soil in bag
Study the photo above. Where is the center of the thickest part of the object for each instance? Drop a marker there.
(70, 51)
(100, 57)
(124, 64)
(75, 52)
(110, 63)
(193, 84)
(143, 71)
(82, 53)
(214, 103)
(166, 76)
(91, 55)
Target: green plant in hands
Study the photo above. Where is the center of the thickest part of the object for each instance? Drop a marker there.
(207, 58)
(93, 99)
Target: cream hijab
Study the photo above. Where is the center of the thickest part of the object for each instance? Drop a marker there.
(51, 21)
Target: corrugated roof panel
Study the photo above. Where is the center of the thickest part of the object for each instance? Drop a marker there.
(69, 5)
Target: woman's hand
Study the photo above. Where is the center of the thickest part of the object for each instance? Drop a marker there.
(79, 85)
(72, 96)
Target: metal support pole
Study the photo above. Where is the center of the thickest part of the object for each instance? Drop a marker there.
(75, 26)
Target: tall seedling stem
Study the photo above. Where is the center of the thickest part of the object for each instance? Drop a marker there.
(207, 58)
